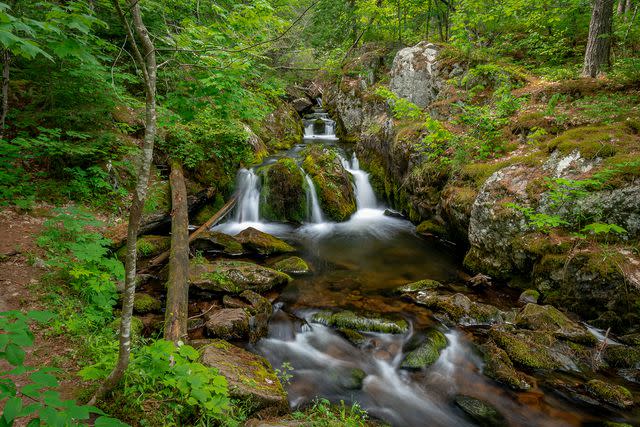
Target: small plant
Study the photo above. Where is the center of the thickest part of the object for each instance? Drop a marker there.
(401, 108)
(323, 414)
(284, 373)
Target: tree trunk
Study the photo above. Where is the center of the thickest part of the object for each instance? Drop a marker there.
(599, 44)
(146, 60)
(622, 5)
(6, 61)
(175, 328)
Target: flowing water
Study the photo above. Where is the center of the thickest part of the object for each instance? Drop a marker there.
(356, 264)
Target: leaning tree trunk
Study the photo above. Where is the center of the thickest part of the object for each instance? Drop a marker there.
(6, 61)
(146, 59)
(599, 44)
(177, 287)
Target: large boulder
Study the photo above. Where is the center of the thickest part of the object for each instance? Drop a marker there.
(549, 318)
(147, 247)
(416, 75)
(499, 366)
(332, 182)
(292, 265)
(234, 277)
(427, 353)
(281, 129)
(228, 323)
(283, 195)
(263, 243)
(364, 322)
(251, 378)
(215, 241)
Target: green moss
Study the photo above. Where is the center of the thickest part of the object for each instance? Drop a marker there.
(147, 247)
(621, 356)
(594, 141)
(354, 337)
(427, 353)
(611, 393)
(431, 227)
(361, 322)
(145, 303)
(524, 351)
(483, 413)
(499, 367)
(283, 192)
(420, 286)
(530, 295)
(136, 326)
(204, 214)
(263, 243)
(292, 265)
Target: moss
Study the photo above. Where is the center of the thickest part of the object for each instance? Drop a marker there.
(354, 337)
(611, 393)
(477, 172)
(524, 350)
(263, 243)
(530, 296)
(431, 227)
(594, 141)
(481, 412)
(420, 286)
(621, 356)
(147, 247)
(234, 276)
(292, 265)
(145, 303)
(136, 326)
(361, 322)
(427, 353)
(283, 192)
(206, 212)
(499, 367)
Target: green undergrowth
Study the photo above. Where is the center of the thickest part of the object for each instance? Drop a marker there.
(322, 413)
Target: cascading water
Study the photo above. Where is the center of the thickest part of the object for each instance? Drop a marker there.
(318, 125)
(365, 197)
(313, 205)
(248, 185)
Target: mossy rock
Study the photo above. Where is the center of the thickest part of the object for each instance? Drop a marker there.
(613, 394)
(145, 303)
(251, 378)
(523, 350)
(147, 247)
(430, 227)
(234, 277)
(621, 356)
(207, 211)
(366, 322)
(332, 182)
(228, 323)
(354, 337)
(292, 265)
(427, 353)
(263, 243)
(215, 241)
(548, 318)
(347, 378)
(137, 326)
(283, 195)
(530, 296)
(281, 129)
(420, 286)
(483, 413)
(499, 367)
(594, 141)
(459, 308)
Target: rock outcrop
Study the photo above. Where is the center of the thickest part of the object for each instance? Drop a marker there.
(234, 277)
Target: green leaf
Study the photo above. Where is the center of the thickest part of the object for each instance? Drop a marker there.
(40, 316)
(44, 380)
(109, 422)
(14, 354)
(12, 408)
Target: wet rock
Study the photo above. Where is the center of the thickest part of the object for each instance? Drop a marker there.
(393, 214)
(263, 243)
(427, 353)
(301, 104)
(361, 322)
(348, 378)
(234, 277)
(283, 195)
(499, 367)
(431, 228)
(480, 411)
(621, 356)
(354, 337)
(251, 378)
(281, 129)
(530, 350)
(458, 308)
(145, 303)
(332, 182)
(215, 241)
(611, 393)
(292, 265)
(228, 323)
(420, 286)
(480, 280)
(416, 75)
(260, 310)
(530, 296)
(548, 318)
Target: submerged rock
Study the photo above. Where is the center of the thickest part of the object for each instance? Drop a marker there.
(228, 323)
(427, 353)
(251, 378)
(458, 308)
(549, 318)
(499, 367)
(212, 240)
(145, 303)
(292, 265)
(420, 286)
(234, 277)
(611, 393)
(480, 411)
(283, 194)
(361, 322)
(263, 243)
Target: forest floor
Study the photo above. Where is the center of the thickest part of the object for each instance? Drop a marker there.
(23, 287)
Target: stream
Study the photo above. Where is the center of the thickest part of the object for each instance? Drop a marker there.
(356, 265)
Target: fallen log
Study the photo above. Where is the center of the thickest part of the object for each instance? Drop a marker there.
(217, 217)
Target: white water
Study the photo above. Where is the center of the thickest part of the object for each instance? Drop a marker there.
(365, 197)
(313, 205)
(248, 209)
(321, 123)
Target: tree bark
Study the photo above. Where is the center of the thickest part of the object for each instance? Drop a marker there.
(6, 61)
(622, 6)
(599, 44)
(146, 59)
(177, 287)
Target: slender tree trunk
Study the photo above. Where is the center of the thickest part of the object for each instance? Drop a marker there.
(628, 7)
(426, 32)
(177, 287)
(622, 5)
(599, 44)
(146, 59)
(6, 62)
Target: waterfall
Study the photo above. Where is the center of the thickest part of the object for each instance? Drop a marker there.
(318, 125)
(248, 185)
(313, 206)
(365, 197)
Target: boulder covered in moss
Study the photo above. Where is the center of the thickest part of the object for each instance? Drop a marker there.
(621, 356)
(423, 285)
(613, 394)
(458, 308)
(332, 182)
(483, 413)
(292, 265)
(498, 366)
(215, 241)
(137, 326)
(431, 228)
(427, 353)
(363, 322)
(528, 350)
(548, 318)
(263, 243)
(234, 277)
(251, 378)
(228, 323)
(147, 247)
(529, 296)
(145, 303)
(283, 195)
(281, 129)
